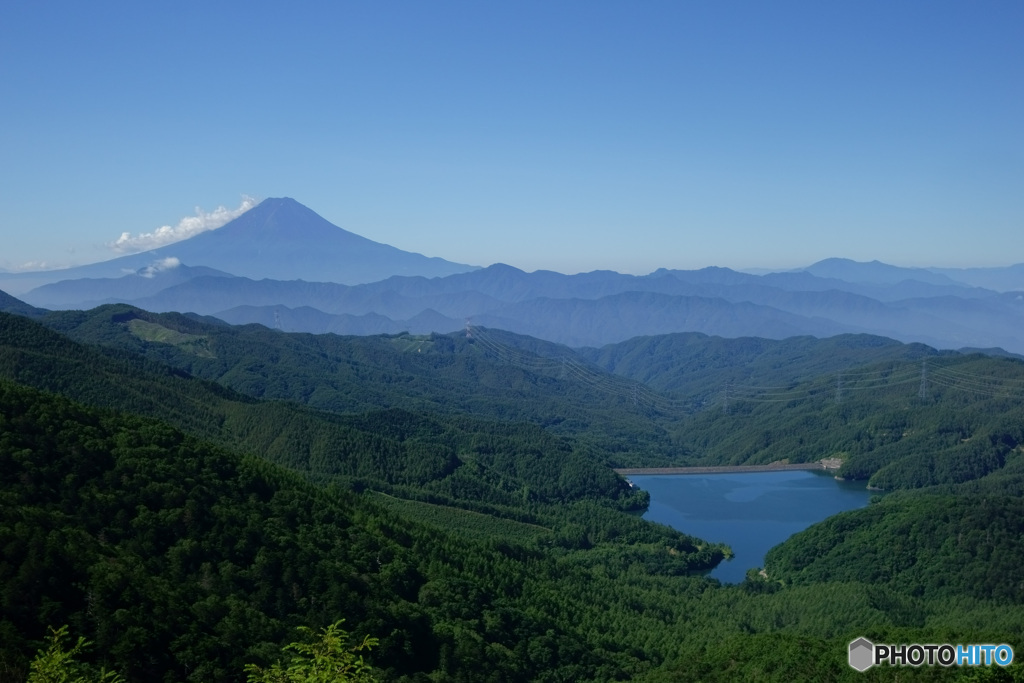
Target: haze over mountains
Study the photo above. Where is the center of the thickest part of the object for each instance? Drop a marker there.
(282, 265)
(280, 239)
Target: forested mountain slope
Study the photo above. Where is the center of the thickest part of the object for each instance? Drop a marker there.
(436, 373)
(901, 415)
(111, 520)
(475, 549)
(694, 364)
(183, 561)
(10, 304)
(439, 454)
(939, 546)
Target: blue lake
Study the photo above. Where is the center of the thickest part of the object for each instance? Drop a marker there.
(751, 512)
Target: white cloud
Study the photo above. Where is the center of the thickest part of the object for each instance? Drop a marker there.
(36, 265)
(158, 266)
(186, 227)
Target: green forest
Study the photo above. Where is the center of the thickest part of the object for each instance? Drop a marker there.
(185, 495)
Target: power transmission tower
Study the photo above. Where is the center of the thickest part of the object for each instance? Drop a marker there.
(923, 392)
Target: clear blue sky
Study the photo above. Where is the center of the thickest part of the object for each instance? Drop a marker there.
(564, 135)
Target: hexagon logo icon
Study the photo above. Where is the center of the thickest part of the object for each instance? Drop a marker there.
(862, 654)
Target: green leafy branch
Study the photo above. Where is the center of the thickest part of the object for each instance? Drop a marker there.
(323, 659)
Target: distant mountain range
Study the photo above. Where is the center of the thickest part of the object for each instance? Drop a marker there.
(1010, 278)
(283, 266)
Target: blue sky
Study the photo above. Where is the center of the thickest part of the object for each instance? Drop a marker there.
(564, 135)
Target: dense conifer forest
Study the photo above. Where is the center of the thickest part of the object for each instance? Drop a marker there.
(186, 494)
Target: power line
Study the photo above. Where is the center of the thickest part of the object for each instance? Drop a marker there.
(894, 375)
(923, 391)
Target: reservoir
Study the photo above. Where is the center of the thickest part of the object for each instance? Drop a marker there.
(750, 511)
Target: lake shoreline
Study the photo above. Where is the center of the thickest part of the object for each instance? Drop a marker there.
(821, 465)
(749, 508)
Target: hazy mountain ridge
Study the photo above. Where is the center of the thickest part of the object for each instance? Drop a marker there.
(615, 318)
(1000, 278)
(91, 292)
(583, 310)
(1005, 279)
(943, 309)
(874, 272)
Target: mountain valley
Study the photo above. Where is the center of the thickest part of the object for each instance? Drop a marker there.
(196, 460)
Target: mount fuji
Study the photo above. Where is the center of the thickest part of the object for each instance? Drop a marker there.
(278, 239)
